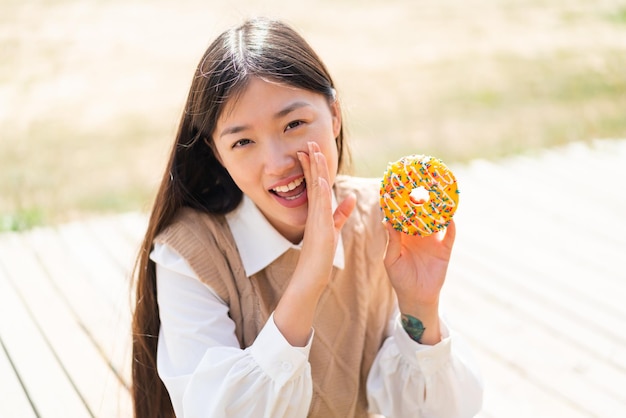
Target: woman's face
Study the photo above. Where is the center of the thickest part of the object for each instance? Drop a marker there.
(257, 138)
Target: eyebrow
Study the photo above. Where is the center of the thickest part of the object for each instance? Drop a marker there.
(281, 113)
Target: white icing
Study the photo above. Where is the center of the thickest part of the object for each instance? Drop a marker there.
(419, 195)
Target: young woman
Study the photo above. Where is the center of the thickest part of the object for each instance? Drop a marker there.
(267, 285)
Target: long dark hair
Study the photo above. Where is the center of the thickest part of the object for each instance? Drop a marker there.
(194, 177)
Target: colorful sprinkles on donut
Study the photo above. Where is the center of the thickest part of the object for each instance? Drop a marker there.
(418, 195)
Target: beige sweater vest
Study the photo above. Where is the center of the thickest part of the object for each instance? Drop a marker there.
(352, 314)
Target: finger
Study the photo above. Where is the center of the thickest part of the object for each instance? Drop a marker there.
(322, 166)
(450, 234)
(324, 193)
(394, 245)
(318, 188)
(305, 162)
(313, 165)
(343, 211)
(314, 146)
(319, 171)
(320, 159)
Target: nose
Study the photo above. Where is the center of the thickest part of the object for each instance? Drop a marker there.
(280, 158)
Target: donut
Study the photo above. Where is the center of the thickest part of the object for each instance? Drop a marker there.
(418, 195)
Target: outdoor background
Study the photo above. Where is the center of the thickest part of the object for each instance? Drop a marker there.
(91, 91)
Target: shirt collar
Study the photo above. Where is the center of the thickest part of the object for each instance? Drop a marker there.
(259, 244)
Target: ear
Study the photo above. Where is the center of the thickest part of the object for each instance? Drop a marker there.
(335, 111)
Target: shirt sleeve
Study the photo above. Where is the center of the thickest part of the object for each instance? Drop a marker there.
(409, 379)
(201, 364)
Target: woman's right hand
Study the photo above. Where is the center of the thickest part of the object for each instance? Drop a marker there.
(296, 310)
(323, 227)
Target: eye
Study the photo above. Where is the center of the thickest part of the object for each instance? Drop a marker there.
(293, 124)
(241, 143)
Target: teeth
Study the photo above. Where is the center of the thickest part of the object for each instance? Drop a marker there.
(289, 187)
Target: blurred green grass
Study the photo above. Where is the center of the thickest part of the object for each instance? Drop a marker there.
(90, 92)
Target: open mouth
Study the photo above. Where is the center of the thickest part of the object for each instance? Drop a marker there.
(290, 191)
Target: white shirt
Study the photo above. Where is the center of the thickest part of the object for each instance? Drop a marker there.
(208, 375)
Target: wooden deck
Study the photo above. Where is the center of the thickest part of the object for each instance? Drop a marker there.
(537, 286)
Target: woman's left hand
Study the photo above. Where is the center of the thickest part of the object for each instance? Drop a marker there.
(417, 268)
